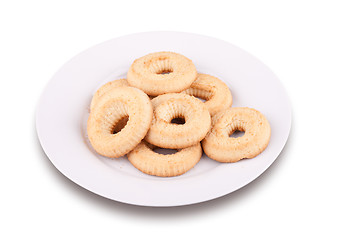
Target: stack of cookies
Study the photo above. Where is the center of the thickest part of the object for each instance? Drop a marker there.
(166, 103)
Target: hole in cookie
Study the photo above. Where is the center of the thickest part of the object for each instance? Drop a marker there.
(236, 134)
(201, 94)
(164, 151)
(178, 120)
(164, 71)
(161, 66)
(201, 99)
(120, 125)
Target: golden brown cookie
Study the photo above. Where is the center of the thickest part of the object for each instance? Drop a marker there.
(179, 121)
(220, 146)
(146, 160)
(105, 88)
(162, 72)
(216, 93)
(117, 104)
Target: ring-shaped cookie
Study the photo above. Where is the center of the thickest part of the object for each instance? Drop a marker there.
(167, 134)
(112, 107)
(162, 72)
(220, 146)
(105, 88)
(216, 93)
(146, 160)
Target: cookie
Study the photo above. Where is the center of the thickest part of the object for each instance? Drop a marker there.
(104, 132)
(146, 160)
(179, 121)
(162, 72)
(216, 93)
(105, 88)
(220, 146)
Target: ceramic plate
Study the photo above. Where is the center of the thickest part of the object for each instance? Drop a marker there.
(64, 107)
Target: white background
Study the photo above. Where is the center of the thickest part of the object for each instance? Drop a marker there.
(300, 196)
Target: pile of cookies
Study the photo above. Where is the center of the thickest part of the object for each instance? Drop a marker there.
(166, 103)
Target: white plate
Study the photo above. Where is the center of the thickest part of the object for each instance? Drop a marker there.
(63, 110)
